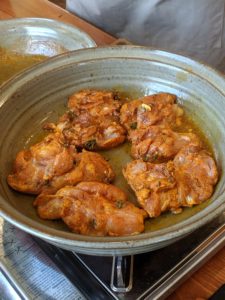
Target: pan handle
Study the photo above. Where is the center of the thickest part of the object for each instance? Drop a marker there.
(122, 273)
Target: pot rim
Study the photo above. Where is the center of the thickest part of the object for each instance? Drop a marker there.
(212, 76)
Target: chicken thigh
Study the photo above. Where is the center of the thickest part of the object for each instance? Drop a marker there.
(157, 109)
(34, 168)
(154, 186)
(92, 121)
(159, 143)
(196, 174)
(49, 165)
(186, 181)
(88, 166)
(93, 208)
(98, 103)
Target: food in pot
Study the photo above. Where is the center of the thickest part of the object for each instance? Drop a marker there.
(154, 185)
(93, 208)
(92, 121)
(196, 175)
(157, 109)
(159, 143)
(50, 165)
(172, 169)
(185, 181)
(88, 166)
(35, 167)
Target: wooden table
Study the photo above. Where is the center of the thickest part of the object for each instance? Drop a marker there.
(211, 276)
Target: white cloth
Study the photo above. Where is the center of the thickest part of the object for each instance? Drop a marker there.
(192, 27)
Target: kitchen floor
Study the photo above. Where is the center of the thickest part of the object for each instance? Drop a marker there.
(61, 3)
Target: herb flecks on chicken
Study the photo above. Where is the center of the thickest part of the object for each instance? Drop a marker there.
(171, 169)
(88, 166)
(159, 143)
(49, 165)
(93, 208)
(196, 175)
(35, 167)
(186, 181)
(157, 109)
(92, 121)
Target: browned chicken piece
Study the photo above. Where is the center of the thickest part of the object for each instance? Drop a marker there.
(88, 166)
(93, 208)
(98, 103)
(196, 174)
(154, 186)
(158, 143)
(103, 135)
(92, 121)
(186, 181)
(157, 109)
(34, 168)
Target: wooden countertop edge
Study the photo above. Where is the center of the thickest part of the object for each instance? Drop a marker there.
(211, 276)
(24, 9)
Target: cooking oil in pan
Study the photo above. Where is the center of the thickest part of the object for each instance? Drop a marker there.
(118, 157)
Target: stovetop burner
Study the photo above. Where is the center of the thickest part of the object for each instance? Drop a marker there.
(152, 275)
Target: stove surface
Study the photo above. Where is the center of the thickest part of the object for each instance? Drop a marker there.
(154, 274)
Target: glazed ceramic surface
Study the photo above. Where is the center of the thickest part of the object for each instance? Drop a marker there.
(38, 36)
(39, 94)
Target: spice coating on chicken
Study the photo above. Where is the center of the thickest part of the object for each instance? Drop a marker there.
(88, 166)
(95, 135)
(98, 103)
(34, 168)
(93, 121)
(196, 174)
(186, 181)
(154, 186)
(157, 109)
(93, 208)
(50, 165)
(159, 143)
(171, 170)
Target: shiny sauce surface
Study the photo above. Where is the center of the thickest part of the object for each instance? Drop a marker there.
(12, 63)
(118, 157)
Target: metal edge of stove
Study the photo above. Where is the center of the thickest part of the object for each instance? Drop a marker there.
(122, 266)
(183, 270)
(114, 288)
(80, 276)
(13, 282)
(95, 276)
(168, 283)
